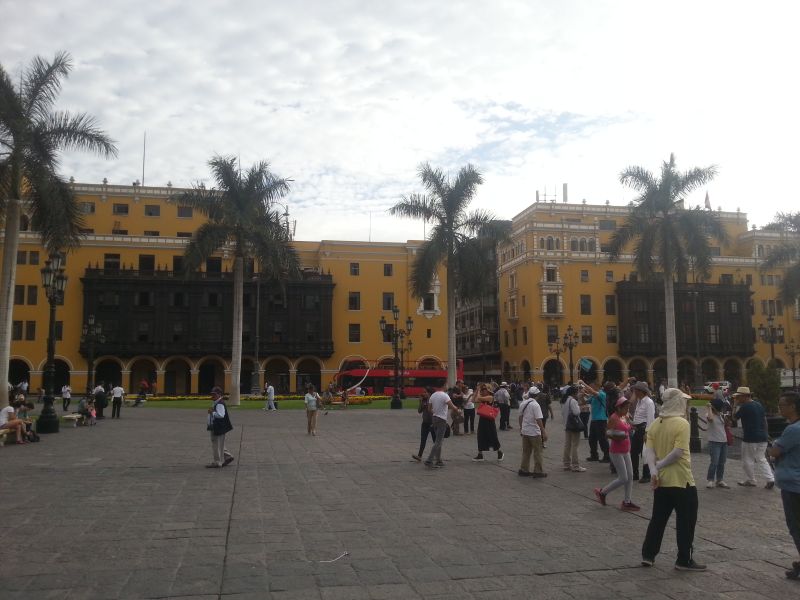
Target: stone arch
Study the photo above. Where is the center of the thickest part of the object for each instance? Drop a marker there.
(61, 376)
(526, 370)
(558, 243)
(612, 370)
(541, 243)
(211, 373)
(108, 369)
(553, 371)
(752, 361)
(177, 376)
(589, 375)
(732, 371)
(19, 370)
(582, 245)
(551, 243)
(573, 244)
(659, 371)
(67, 361)
(249, 367)
(276, 372)
(777, 363)
(354, 361)
(212, 357)
(710, 369)
(506, 375)
(687, 372)
(387, 362)
(430, 362)
(638, 367)
(309, 370)
(142, 368)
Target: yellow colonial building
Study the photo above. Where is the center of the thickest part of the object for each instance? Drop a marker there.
(175, 331)
(554, 276)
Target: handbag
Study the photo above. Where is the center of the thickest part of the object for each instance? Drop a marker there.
(574, 423)
(487, 411)
(447, 432)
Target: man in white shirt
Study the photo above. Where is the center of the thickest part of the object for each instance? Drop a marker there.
(531, 428)
(269, 392)
(66, 397)
(117, 393)
(439, 403)
(503, 400)
(644, 414)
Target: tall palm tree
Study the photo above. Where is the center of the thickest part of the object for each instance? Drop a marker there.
(445, 204)
(787, 254)
(240, 214)
(668, 237)
(32, 136)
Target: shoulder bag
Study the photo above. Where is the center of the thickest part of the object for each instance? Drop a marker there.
(487, 411)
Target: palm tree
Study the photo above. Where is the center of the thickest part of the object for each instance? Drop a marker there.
(240, 214)
(787, 253)
(445, 205)
(668, 237)
(32, 135)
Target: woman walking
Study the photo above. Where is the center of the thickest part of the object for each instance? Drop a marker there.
(619, 432)
(425, 427)
(469, 410)
(312, 401)
(717, 443)
(487, 429)
(573, 427)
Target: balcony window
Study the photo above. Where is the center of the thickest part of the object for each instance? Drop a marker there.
(611, 334)
(354, 332)
(354, 301)
(152, 210)
(120, 209)
(185, 212)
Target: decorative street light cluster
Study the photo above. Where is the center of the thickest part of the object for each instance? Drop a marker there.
(397, 338)
(792, 350)
(569, 341)
(54, 283)
(255, 380)
(91, 334)
(771, 335)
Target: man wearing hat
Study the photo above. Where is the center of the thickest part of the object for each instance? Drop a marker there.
(644, 414)
(503, 400)
(667, 454)
(219, 424)
(754, 438)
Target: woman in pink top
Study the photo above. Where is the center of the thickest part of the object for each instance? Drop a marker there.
(620, 451)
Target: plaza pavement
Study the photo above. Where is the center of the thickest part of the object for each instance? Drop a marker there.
(127, 510)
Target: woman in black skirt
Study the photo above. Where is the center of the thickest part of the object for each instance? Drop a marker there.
(487, 430)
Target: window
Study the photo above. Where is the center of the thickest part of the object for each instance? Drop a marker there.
(387, 333)
(177, 299)
(514, 336)
(505, 335)
(610, 276)
(213, 299)
(184, 234)
(120, 209)
(428, 302)
(586, 304)
(524, 336)
(33, 295)
(152, 210)
(611, 304)
(512, 304)
(22, 257)
(640, 305)
(214, 264)
(550, 274)
(586, 334)
(59, 331)
(354, 301)
(111, 262)
(573, 245)
(715, 250)
(143, 332)
(428, 333)
(116, 231)
(184, 212)
(726, 279)
(354, 269)
(607, 225)
(552, 334)
(778, 307)
(764, 307)
(512, 281)
(388, 269)
(643, 333)
(551, 301)
(734, 307)
(87, 208)
(523, 301)
(177, 264)
(611, 334)
(19, 294)
(152, 233)
(354, 332)
(147, 262)
(584, 276)
(713, 334)
(86, 230)
(30, 330)
(711, 306)
(177, 331)
(16, 330)
(748, 279)
(388, 301)
(33, 258)
(143, 299)
(311, 302)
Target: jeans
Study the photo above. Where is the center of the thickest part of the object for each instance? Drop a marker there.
(585, 416)
(791, 509)
(505, 413)
(684, 502)
(439, 427)
(65, 403)
(597, 434)
(469, 420)
(531, 444)
(270, 404)
(424, 430)
(719, 453)
(218, 448)
(571, 441)
(624, 468)
(311, 417)
(637, 445)
(116, 407)
(754, 458)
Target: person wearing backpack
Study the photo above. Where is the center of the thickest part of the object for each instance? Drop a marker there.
(219, 424)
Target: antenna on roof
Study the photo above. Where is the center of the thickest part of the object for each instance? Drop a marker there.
(144, 154)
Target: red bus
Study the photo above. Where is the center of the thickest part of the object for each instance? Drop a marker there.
(381, 380)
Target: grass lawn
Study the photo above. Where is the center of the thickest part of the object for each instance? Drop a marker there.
(410, 403)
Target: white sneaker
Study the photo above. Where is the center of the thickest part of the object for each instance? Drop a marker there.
(711, 484)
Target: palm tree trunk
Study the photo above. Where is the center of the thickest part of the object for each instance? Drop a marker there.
(451, 326)
(236, 350)
(669, 311)
(7, 278)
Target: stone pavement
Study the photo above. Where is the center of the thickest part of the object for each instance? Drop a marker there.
(126, 510)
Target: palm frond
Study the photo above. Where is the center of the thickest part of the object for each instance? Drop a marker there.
(429, 256)
(42, 83)
(225, 172)
(638, 178)
(475, 268)
(476, 221)
(789, 222)
(782, 254)
(207, 201)
(54, 210)
(434, 180)
(463, 189)
(692, 179)
(790, 284)
(207, 239)
(79, 132)
(416, 206)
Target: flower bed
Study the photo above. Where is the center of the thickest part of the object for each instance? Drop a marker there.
(351, 400)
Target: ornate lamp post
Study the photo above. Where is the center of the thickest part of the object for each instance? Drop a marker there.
(403, 349)
(792, 350)
(484, 339)
(397, 341)
(570, 342)
(54, 282)
(556, 348)
(770, 334)
(255, 380)
(91, 334)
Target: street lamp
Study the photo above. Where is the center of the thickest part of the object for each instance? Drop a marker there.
(91, 334)
(570, 341)
(770, 334)
(484, 339)
(698, 371)
(397, 342)
(54, 282)
(792, 350)
(403, 349)
(255, 380)
(556, 348)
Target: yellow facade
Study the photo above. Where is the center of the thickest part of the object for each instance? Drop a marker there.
(135, 221)
(556, 253)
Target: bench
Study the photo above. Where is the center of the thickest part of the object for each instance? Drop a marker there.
(75, 418)
(3, 434)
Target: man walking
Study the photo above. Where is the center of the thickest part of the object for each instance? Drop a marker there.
(439, 403)
(117, 395)
(531, 428)
(754, 438)
(643, 416)
(786, 452)
(269, 393)
(667, 454)
(66, 396)
(598, 424)
(503, 400)
(219, 424)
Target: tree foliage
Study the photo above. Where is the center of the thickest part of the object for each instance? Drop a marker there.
(786, 253)
(765, 384)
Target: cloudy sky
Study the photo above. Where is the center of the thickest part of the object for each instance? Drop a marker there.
(347, 97)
